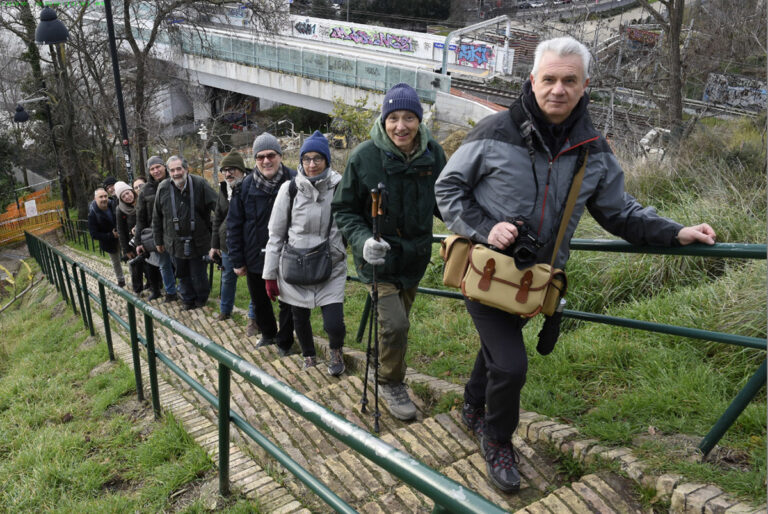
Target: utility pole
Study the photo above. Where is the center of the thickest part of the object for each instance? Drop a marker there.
(118, 90)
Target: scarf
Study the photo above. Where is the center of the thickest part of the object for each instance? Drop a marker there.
(554, 135)
(128, 209)
(268, 185)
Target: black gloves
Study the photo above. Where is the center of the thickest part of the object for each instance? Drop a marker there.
(550, 331)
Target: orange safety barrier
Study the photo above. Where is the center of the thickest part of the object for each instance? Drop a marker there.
(42, 199)
(13, 230)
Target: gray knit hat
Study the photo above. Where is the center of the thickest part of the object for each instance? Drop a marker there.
(266, 141)
(154, 160)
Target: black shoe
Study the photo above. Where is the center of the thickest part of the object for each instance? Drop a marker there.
(265, 341)
(171, 298)
(284, 352)
(473, 418)
(154, 296)
(121, 283)
(501, 463)
(188, 307)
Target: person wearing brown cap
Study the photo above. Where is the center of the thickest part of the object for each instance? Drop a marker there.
(233, 169)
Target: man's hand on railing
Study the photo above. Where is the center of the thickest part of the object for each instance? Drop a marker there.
(702, 233)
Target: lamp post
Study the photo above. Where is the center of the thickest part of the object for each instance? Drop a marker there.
(203, 133)
(118, 90)
(51, 31)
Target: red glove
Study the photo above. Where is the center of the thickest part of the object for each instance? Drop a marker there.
(272, 290)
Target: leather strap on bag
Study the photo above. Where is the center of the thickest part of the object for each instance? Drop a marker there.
(573, 194)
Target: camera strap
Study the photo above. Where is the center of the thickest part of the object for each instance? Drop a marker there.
(573, 194)
(176, 225)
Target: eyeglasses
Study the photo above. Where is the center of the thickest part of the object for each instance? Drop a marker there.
(315, 160)
(266, 156)
(228, 170)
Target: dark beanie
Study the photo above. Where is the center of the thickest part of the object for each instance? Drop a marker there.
(317, 143)
(110, 181)
(233, 160)
(401, 97)
(154, 160)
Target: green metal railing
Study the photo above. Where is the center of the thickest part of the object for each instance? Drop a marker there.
(731, 250)
(448, 496)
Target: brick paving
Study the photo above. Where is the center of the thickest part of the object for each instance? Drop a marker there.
(440, 441)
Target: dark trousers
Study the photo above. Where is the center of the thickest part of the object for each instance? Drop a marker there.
(333, 323)
(194, 287)
(500, 369)
(153, 275)
(265, 317)
(137, 276)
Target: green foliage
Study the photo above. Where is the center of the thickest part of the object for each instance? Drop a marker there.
(352, 121)
(303, 120)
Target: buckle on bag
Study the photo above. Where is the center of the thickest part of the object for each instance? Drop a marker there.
(525, 286)
(488, 270)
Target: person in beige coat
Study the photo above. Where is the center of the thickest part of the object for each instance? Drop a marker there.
(302, 218)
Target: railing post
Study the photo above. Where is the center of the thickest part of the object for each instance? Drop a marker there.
(734, 410)
(79, 295)
(105, 317)
(60, 277)
(149, 335)
(364, 318)
(135, 350)
(224, 388)
(87, 302)
(69, 285)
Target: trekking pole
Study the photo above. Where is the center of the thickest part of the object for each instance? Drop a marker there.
(374, 301)
(381, 199)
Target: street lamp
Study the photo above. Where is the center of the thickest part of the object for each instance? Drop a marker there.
(51, 31)
(203, 133)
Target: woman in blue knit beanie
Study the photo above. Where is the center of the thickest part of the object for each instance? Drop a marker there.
(403, 156)
(301, 219)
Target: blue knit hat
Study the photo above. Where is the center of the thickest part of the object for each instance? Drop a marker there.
(317, 143)
(401, 96)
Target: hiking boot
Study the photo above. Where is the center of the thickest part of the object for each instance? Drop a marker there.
(501, 463)
(310, 362)
(336, 363)
(171, 298)
(397, 400)
(252, 330)
(265, 341)
(223, 317)
(473, 418)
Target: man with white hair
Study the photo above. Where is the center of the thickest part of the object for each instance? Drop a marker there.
(512, 174)
(181, 225)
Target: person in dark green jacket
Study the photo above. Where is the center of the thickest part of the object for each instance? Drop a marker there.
(403, 156)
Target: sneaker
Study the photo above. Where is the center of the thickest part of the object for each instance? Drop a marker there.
(310, 362)
(223, 317)
(336, 363)
(473, 418)
(397, 400)
(265, 341)
(171, 298)
(252, 330)
(501, 461)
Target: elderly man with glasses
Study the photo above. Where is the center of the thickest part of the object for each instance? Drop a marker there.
(233, 169)
(247, 234)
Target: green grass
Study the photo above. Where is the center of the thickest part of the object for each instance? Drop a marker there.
(76, 441)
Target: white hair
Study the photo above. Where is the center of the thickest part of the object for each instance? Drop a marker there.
(562, 46)
(184, 163)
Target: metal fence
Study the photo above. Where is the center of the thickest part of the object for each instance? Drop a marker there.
(63, 272)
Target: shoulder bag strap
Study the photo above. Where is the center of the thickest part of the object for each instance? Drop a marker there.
(573, 194)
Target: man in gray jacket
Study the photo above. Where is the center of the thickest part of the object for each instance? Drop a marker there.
(514, 170)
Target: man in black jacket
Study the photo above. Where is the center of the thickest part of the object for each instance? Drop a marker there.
(101, 225)
(247, 236)
(181, 225)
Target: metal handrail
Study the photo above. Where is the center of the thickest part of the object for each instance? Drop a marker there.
(446, 494)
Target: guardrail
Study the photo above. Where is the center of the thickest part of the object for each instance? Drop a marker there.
(731, 250)
(12, 231)
(448, 495)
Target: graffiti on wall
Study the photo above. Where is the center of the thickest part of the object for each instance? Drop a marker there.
(305, 28)
(737, 91)
(475, 54)
(362, 37)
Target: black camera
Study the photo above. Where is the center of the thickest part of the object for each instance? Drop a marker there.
(138, 259)
(524, 249)
(216, 260)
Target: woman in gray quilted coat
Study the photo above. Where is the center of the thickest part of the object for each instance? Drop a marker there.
(301, 218)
